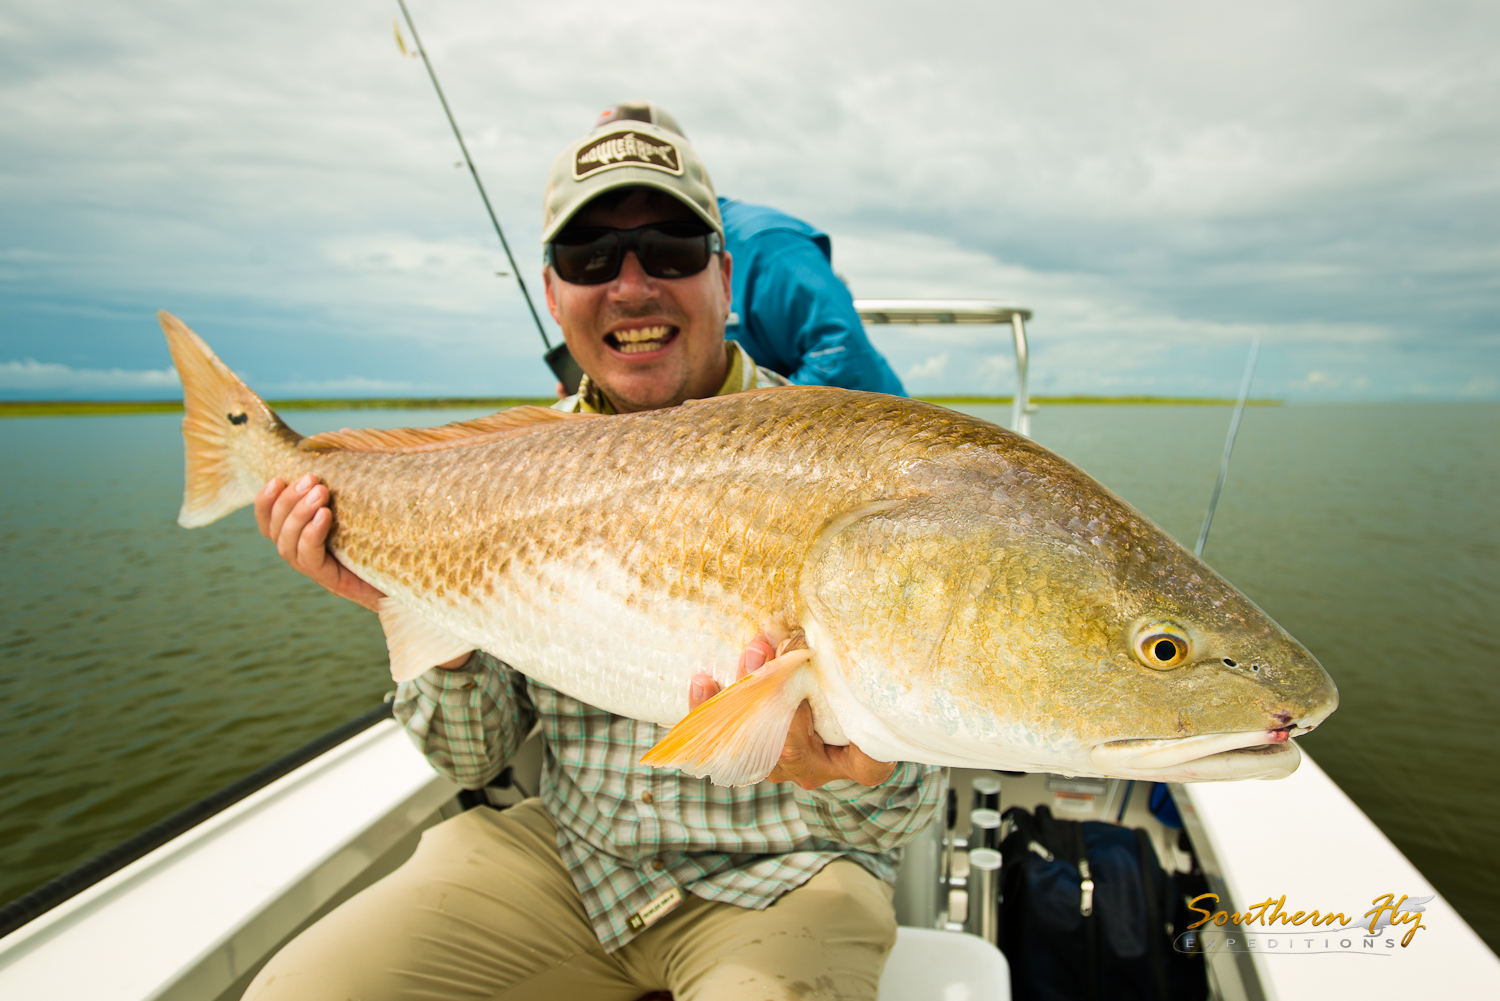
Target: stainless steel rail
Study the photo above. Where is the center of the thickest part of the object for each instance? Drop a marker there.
(919, 312)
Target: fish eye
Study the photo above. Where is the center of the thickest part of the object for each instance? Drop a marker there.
(1162, 646)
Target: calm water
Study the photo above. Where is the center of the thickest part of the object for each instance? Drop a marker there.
(145, 666)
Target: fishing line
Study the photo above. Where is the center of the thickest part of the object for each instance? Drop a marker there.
(432, 74)
(1234, 429)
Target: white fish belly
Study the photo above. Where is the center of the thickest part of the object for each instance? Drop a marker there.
(590, 629)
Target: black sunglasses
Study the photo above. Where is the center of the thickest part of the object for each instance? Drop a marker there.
(592, 255)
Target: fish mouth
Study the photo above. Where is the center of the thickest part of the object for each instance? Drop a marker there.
(1208, 757)
(641, 340)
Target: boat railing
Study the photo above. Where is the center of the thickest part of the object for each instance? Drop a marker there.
(49, 895)
(992, 312)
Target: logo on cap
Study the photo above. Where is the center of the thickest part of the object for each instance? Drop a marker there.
(625, 150)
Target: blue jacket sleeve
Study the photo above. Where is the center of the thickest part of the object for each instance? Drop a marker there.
(797, 318)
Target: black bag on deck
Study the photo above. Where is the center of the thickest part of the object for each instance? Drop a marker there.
(1085, 911)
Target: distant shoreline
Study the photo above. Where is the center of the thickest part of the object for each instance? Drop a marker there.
(1171, 401)
(107, 408)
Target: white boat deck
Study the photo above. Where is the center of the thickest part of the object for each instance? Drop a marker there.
(1303, 837)
(197, 917)
(194, 920)
(189, 920)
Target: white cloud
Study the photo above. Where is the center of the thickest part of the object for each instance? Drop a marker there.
(1318, 381)
(33, 379)
(932, 368)
(402, 253)
(14, 254)
(1483, 386)
(1157, 182)
(31, 376)
(996, 375)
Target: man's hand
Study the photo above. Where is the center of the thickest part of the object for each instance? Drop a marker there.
(805, 759)
(812, 764)
(298, 519)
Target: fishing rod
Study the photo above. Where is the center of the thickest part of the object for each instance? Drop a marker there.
(1234, 429)
(558, 358)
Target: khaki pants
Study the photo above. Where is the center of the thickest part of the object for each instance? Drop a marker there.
(485, 909)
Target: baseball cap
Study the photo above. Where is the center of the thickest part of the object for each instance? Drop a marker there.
(638, 111)
(627, 153)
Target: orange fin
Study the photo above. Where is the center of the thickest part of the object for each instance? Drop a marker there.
(415, 644)
(223, 422)
(736, 737)
(431, 439)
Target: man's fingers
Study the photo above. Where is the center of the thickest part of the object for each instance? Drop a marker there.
(702, 688)
(297, 519)
(311, 543)
(286, 503)
(755, 656)
(810, 763)
(859, 766)
(290, 535)
(263, 502)
(804, 759)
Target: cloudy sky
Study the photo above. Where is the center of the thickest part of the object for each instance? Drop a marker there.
(1157, 181)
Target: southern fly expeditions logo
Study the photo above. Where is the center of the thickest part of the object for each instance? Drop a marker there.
(626, 150)
(1269, 927)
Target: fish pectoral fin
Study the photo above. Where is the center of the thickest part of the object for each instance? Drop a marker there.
(415, 643)
(736, 737)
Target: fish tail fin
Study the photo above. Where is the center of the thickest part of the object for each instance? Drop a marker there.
(221, 418)
(736, 737)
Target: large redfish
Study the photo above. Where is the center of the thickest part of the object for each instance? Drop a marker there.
(966, 596)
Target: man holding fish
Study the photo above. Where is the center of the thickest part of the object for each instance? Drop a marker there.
(939, 592)
(623, 878)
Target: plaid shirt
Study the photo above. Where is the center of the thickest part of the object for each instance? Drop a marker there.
(635, 838)
(631, 835)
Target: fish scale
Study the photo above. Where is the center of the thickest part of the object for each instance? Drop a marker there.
(683, 515)
(679, 529)
(966, 596)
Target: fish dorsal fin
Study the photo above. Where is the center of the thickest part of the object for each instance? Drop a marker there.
(430, 439)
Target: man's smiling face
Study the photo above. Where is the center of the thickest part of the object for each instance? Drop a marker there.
(646, 342)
